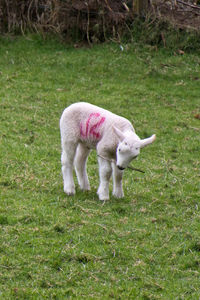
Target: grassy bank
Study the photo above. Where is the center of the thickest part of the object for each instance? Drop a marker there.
(145, 246)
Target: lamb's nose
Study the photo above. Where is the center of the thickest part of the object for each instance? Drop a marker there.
(120, 168)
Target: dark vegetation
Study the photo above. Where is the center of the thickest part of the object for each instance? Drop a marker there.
(91, 20)
(166, 23)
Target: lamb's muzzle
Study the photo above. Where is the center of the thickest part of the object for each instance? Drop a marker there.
(85, 126)
(120, 168)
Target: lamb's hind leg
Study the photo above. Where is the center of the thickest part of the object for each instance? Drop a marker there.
(80, 163)
(67, 159)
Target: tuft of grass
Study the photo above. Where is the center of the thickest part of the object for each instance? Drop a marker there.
(145, 246)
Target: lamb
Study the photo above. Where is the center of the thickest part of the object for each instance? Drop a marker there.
(83, 127)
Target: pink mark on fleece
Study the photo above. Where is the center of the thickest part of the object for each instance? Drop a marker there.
(92, 126)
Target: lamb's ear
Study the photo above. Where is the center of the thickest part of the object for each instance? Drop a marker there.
(119, 133)
(148, 141)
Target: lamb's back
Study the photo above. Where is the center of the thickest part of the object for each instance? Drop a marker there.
(82, 110)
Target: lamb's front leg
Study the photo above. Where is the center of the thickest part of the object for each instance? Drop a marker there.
(67, 159)
(117, 182)
(105, 172)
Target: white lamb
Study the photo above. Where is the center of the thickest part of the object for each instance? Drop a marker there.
(84, 127)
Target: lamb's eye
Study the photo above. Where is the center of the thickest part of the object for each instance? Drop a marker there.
(126, 144)
(119, 150)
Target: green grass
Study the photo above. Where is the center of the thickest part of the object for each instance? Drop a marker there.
(145, 246)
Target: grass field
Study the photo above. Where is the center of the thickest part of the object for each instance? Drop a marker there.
(145, 246)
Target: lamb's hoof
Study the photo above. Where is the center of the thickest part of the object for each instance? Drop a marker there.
(118, 195)
(102, 197)
(69, 191)
(85, 188)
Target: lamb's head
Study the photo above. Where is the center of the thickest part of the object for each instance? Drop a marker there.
(129, 147)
